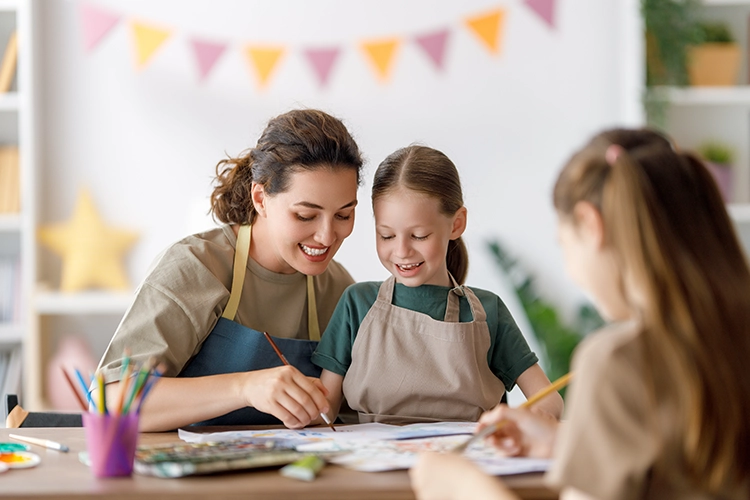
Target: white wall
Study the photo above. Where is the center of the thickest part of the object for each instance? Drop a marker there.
(146, 142)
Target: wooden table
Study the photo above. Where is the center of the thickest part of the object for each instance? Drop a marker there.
(61, 476)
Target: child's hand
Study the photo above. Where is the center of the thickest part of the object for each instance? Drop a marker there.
(451, 476)
(287, 394)
(524, 433)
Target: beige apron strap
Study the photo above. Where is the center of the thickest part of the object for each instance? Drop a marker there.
(241, 252)
(453, 308)
(313, 327)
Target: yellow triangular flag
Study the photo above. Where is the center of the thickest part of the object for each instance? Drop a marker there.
(381, 54)
(263, 60)
(487, 27)
(147, 40)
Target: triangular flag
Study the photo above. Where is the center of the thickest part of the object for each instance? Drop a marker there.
(263, 60)
(545, 9)
(487, 27)
(322, 61)
(434, 45)
(147, 40)
(206, 54)
(381, 55)
(96, 23)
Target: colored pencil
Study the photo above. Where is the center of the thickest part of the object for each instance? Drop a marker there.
(283, 360)
(491, 429)
(79, 398)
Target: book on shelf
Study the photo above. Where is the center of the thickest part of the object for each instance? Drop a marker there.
(8, 66)
(10, 180)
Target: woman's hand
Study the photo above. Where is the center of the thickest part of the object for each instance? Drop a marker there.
(285, 393)
(451, 476)
(524, 433)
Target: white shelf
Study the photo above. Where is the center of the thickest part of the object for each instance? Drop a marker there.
(10, 334)
(736, 95)
(57, 303)
(718, 3)
(740, 212)
(10, 222)
(9, 101)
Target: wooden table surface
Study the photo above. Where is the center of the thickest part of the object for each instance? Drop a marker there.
(61, 476)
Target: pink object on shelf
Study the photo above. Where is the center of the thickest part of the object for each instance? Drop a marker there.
(73, 352)
(723, 177)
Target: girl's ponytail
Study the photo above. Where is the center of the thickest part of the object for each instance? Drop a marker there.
(457, 260)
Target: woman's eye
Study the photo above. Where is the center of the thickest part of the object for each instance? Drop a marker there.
(343, 217)
(303, 218)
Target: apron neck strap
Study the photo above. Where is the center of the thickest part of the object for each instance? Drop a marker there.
(241, 253)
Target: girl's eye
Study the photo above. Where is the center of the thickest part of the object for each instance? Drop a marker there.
(419, 238)
(385, 238)
(304, 219)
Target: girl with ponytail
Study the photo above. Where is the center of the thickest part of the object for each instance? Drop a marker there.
(660, 403)
(420, 346)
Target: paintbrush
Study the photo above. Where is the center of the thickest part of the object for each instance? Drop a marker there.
(491, 429)
(283, 360)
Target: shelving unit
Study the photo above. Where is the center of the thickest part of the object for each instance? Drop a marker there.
(699, 114)
(17, 229)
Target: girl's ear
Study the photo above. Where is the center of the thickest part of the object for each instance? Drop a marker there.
(459, 223)
(258, 195)
(589, 223)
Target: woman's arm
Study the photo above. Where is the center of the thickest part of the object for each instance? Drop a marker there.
(284, 392)
(534, 380)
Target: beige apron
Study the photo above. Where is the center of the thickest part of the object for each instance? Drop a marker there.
(407, 367)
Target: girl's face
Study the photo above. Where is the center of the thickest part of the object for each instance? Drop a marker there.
(592, 265)
(302, 229)
(412, 237)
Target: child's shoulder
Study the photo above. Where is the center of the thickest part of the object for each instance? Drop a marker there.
(364, 291)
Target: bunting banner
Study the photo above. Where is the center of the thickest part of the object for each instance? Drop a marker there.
(147, 40)
(487, 27)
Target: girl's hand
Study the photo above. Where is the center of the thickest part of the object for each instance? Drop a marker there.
(285, 393)
(524, 433)
(451, 476)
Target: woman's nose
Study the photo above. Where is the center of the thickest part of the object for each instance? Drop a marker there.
(325, 234)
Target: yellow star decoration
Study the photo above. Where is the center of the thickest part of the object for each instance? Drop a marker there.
(91, 251)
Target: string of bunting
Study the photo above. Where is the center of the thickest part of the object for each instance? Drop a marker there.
(488, 27)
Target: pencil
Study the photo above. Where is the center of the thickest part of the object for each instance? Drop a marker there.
(81, 402)
(491, 429)
(284, 360)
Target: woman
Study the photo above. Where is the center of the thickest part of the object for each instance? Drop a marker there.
(660, 403)
(287, 205)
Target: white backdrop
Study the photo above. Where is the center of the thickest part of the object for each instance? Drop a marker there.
(146, 142)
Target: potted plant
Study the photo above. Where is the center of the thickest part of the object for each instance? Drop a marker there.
(718, 158)
(715, 60)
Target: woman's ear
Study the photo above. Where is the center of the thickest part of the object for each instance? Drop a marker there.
(258, 194)
(459, 223)
(589, 223)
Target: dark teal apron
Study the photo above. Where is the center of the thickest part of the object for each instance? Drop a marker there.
(231, 347)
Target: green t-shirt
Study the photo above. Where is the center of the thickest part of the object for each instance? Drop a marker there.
(509, 354)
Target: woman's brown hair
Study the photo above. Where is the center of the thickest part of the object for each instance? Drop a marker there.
(688, 279)
(430, 172)
(305, 139)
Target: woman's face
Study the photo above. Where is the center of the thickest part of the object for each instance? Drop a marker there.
(302, 228)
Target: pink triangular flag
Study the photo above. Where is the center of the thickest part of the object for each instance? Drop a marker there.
(96, 23)
(206, 54)
(322, 61)
(544, 8)
(434, 45)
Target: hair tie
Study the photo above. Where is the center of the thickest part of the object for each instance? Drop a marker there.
(613, 153)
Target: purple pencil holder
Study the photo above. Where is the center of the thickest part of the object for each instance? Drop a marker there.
(111, 442)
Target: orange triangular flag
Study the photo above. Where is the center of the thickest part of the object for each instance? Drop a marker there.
(147, 40)
(263, 60)
(487, 27)
(381, 54)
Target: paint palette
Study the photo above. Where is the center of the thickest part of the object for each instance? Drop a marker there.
(19, 459)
